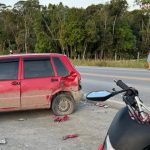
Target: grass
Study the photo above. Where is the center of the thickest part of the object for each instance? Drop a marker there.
(111, 63)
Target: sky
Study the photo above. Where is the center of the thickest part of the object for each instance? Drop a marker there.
(72, 3)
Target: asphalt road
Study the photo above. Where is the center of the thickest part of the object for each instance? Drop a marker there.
(102, 78)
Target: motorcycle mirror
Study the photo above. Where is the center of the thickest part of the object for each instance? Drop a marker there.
(99, 95)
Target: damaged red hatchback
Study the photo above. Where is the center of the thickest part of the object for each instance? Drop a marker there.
(33, 81)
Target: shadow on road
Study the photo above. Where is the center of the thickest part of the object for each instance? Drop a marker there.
(23, 115)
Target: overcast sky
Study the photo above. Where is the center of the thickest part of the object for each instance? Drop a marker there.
(71, 3)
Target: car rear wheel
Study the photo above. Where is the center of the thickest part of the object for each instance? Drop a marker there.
(63, 104)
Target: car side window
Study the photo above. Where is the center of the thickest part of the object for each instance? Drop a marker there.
(60, 67)
(37, 67)
(9, 69)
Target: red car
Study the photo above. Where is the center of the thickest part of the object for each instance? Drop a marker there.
(33, 81)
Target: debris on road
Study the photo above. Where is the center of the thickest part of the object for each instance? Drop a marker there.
(106, 106)
(70, 136)
(21, 119)
(102, 105)
(3, 141)
(61, 118)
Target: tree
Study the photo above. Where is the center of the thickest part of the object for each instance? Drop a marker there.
(117, 8)
(105, 37)
(90, 34)
(42, 44)
(74, 33)
(27, 9)
(145, 5)
(99, 29)
(125, 40)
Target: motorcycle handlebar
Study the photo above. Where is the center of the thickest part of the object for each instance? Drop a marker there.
(121, 84)
(130, 90)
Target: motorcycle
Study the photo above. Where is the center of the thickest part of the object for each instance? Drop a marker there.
(130, 128)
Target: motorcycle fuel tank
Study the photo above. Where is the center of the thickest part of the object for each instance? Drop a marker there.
(127, 134)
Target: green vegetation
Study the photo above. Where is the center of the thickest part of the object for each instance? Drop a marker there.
(104, 31)
(111, 63)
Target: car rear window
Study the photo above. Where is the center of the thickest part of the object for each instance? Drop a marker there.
(37, 67)
(9, 69)
(60, 67)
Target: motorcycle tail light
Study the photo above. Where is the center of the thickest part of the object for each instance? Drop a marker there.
(100, 147)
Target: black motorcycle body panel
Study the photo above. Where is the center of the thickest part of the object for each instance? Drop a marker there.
(127, 134)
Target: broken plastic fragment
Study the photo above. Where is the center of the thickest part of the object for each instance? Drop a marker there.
(106, 106)
(3, 141)
(21, 119)
(61, 118)
(70, 136)
(102, 105)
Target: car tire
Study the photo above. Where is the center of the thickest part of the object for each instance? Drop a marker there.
(63, 104)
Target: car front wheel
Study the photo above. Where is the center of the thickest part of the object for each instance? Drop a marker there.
(63, 104)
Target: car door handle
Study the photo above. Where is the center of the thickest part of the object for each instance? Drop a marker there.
(54, 80)
(15, 83)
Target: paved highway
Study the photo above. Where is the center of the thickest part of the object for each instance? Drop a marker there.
(102, 78)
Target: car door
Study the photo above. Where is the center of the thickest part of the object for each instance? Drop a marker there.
(9, 84)
(38, 82)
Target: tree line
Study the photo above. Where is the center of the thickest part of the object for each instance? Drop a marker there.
(106, 30)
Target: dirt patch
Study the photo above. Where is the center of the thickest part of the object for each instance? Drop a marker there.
(30, 130)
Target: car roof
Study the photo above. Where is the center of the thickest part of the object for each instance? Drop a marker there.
(30, 55)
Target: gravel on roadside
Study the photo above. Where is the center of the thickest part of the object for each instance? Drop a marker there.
(30, 130)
